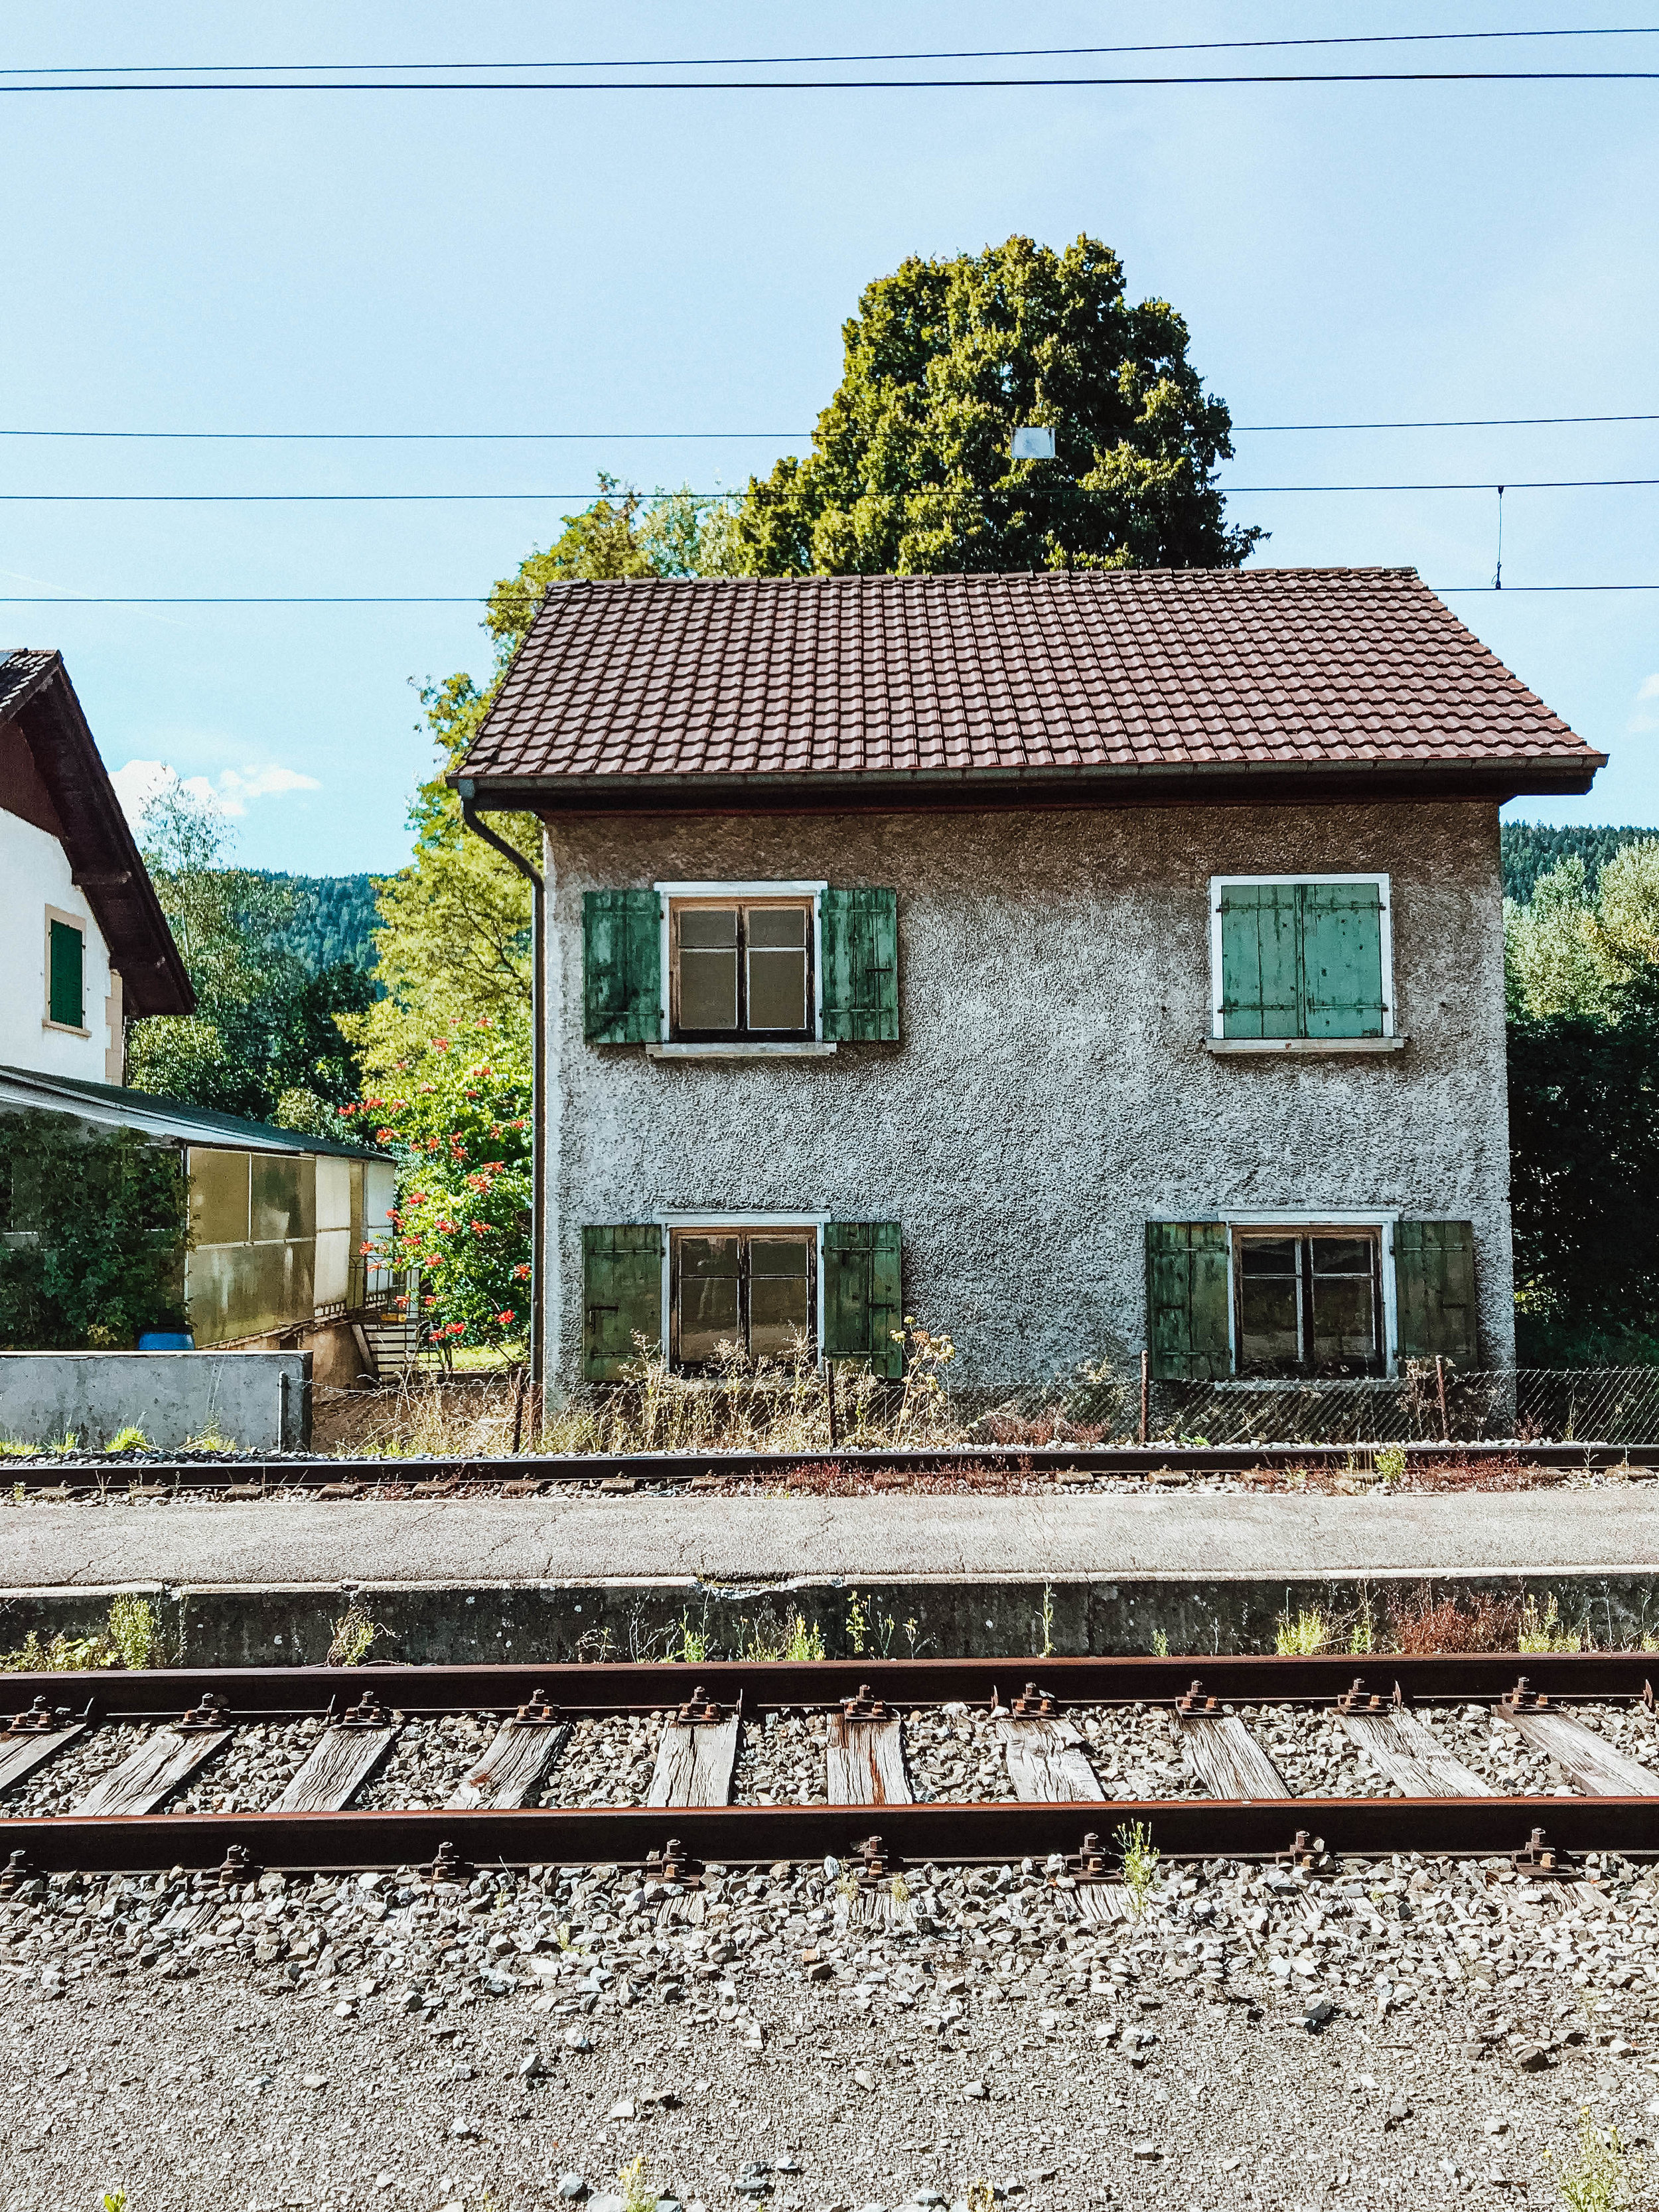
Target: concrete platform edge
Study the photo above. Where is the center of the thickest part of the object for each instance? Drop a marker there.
(645, 1617)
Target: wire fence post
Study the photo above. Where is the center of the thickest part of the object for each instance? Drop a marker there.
(1146, 1394)
(1440, 1391)
(830, 1386)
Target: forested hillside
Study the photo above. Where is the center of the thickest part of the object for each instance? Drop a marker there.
(1532, 847)
(333, 922)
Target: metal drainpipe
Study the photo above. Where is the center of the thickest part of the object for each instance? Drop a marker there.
(538, 1144)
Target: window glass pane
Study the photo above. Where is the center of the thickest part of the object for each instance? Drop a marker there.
(777, 967)
(1342, 1256)
(780, 1280)
(708, 968)
(709, 1313)
(1344, 1322)
(1267, 1334)
(1267, 1255)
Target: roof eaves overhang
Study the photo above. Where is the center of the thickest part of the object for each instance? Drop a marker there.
(103, 855)
(1194, 782)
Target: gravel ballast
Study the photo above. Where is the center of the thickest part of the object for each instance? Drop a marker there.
(1254, 2039)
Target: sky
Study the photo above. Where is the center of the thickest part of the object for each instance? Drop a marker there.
(605, 263)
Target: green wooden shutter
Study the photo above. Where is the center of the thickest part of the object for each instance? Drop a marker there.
(860, 966)
(67, 1000)
(1342, 959)
(1187, 1289)
(863, 1294)
(1434, 1290)
(622, 1298)
(622, 967)
(1260, 936)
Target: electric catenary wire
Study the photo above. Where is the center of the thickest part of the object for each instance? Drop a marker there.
(679, 437)
(1126, 82)
(473, 600)
(1037, 487)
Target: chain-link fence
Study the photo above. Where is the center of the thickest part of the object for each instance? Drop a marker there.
(1532, 1405)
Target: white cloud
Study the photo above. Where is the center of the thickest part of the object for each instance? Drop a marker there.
(138, 781)
(1645, 717)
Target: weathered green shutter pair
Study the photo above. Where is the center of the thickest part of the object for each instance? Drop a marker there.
(863, 1313)
(1188, 1293)
(622, 966)
(1302, 960)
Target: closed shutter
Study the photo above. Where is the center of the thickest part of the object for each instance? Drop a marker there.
(1259, 934)
(67, 1000)
(622, 967)
(622, 1298)
(860, 966)
(1342, 959)
(863, 1295)
(1188, 1288)
(1434, 1290)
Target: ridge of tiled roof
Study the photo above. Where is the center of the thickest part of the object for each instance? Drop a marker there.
(1072, 673)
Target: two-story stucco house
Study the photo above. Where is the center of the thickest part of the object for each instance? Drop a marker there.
(1081, 962)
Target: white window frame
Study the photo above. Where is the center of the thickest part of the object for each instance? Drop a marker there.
(1310, 1221)
(1385, 907)
(709, 1221)
(747, 1048)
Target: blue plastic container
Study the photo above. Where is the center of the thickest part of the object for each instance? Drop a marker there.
(167, 1340)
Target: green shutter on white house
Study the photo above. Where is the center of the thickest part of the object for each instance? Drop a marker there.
(860, 930)
(1188, 1286)
(622, 1298)
(863, 1295)
(66, 984)
(1302, 959)
(1434, 1291)
(622, 967)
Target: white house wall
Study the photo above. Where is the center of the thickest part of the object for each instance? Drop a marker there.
(1051, 1090)
(34, 872)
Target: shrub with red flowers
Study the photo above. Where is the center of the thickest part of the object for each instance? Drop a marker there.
(459, 1125)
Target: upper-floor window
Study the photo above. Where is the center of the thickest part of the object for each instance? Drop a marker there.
(66, 973)
(1301, 957)
(741, 968)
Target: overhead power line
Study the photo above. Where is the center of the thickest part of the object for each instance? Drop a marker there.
(836, 83)
(473, 600)
(501, 498)
(681, 437)
(803, 61)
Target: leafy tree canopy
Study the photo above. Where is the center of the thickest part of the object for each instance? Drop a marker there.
(910, 471)
(1586, 950)
(262, 1042)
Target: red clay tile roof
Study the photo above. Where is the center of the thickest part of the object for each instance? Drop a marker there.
(1075, 674)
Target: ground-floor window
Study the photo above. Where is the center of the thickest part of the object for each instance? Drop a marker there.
(1309, 1303)
(755, 1290)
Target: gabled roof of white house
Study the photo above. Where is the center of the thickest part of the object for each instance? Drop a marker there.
(891, 689)
(51, 774)
(170, 1120)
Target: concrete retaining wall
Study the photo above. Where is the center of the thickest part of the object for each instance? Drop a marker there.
(259, 1400)
(932, 1618)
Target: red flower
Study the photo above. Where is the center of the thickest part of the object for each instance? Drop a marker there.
(521, 1272)
(502, 1319)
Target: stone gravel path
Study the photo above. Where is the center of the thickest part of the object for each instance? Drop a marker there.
(1253, 2042)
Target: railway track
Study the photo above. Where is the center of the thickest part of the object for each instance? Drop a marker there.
(90, 1762)
(252, 1476)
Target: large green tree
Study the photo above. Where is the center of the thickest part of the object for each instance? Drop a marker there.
(264, 1041)
(910, 471)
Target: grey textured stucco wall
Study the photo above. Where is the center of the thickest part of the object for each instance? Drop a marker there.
(1050, 1091)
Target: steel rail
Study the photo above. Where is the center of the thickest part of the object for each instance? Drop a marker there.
(1185, 1827)
(277, 1472)
(757, 1834)
(251, 1693)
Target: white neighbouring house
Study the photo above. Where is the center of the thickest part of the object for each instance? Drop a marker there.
(279, 1219)
(84, 947)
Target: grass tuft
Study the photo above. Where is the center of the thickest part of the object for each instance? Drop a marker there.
(128, 1439)
(1542, 1631)
(1598, 2176)
(1309, 1632)
(356, 1634)
(1140, 1863)
(130, 1637)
